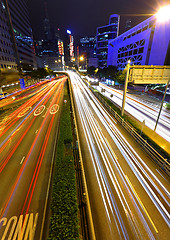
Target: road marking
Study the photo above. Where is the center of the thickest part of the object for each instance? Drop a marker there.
(24, 112)
(19, 227)
(160, 174)
(142, 204)
(47, 110)
(22, 160)
(39, 110)
(54, 109)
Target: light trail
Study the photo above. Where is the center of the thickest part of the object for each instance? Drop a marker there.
(141, 111)
(136, 221)
(37, 101)
(50, 117)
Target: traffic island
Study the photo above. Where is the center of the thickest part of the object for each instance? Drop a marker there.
(64, 222)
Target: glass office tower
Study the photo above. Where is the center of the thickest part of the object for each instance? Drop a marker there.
(103, 35)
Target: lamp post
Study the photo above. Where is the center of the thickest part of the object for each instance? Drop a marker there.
(82, 59)
(125, 88)
(161, 105)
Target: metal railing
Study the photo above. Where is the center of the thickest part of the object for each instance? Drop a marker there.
(160, 160)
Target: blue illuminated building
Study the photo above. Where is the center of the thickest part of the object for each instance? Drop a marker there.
(103, 35)
(148, 43)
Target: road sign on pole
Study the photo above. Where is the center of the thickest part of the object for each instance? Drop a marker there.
(149, 74)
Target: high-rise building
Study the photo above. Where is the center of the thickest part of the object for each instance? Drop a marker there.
(87, 49)
(47, 27)
(103, 35)
(16, 34)
(88, 45)
(148, 43)
(50, 49)
(7, 53)
(22, 30)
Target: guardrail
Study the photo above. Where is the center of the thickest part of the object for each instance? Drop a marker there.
(161, 161)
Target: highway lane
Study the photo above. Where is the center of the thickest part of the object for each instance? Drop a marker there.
(129, 196)
(20, 95)
(141, 110)
(26, 150)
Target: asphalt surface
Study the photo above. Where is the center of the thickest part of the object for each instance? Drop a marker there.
(128, 193)
(27, 136)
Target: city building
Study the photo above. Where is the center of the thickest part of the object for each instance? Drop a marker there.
(50, 53)
(87, 50)
(50, 49)
(18, 13)
(103, 35)
(7, 52)
(128, 22)
(88, 45)
(16, 43)
(148, 43)
(46, 24)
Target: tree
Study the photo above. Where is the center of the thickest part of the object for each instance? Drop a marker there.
(41, 73)
(107, 72)
(111, 71)
(120, 76)
(91, 70)
(27, 67)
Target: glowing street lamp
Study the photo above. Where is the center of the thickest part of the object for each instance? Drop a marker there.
(125, 87)
(81, 58)
(163, 14)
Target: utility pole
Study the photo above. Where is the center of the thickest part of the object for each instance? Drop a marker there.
(125, 88)
(161, 104)
(78, 57)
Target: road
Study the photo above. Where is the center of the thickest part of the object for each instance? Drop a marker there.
(27, 139)
(128, 193)
(141, 109)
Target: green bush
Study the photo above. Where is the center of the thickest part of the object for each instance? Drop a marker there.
(64, 219)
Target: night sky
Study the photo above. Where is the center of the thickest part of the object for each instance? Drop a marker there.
(83, 17)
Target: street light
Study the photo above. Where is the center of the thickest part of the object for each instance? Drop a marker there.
(163, 14)
(81, 58)
(125, 87)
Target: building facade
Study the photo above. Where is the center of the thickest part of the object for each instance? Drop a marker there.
(148, 43)
(23, 32)
(88, 45)
(7, 55)
(16, 35)
(103, 35)
(87, 50)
